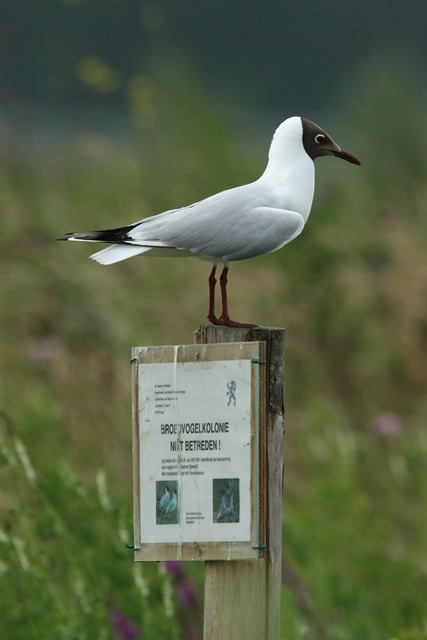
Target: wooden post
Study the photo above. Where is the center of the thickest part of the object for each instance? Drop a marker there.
(242, 597)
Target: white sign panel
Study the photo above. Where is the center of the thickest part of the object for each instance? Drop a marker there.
(196, 447)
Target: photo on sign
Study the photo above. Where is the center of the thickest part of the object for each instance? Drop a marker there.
(225, 500)
(167, 511)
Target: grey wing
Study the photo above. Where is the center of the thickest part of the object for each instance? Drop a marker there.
(261, 230)
(264, 230)
(232, 225)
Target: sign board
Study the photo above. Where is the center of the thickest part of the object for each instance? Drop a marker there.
(197, 411)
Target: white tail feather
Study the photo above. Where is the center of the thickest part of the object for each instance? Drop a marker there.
(117, 253)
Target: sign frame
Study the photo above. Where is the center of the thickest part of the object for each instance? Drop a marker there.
(254, 547)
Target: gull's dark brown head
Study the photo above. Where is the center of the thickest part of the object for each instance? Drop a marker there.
(318, 143)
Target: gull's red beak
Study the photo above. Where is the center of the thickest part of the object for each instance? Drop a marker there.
(346, 156)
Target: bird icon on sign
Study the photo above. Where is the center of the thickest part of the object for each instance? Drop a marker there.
(231, 392)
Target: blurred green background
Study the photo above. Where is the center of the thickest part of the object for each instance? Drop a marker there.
(111, 111)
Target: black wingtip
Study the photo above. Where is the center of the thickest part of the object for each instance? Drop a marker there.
(114, 236)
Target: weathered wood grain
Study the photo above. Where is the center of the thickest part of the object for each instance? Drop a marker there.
(242, 598)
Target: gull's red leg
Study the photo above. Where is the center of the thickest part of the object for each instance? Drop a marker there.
(212, 282)
(223, 284)
(225, 318)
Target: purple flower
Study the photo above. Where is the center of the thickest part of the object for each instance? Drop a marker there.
(186, 594)
(387, 424)
(124, 629)
(175, 569)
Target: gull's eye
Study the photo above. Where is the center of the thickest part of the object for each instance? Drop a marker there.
(320, 138)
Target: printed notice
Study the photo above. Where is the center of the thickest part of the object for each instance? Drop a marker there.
(195, 451)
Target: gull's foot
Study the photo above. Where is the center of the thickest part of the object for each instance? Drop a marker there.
(227, 322)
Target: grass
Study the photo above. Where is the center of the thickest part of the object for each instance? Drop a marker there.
(351, 293)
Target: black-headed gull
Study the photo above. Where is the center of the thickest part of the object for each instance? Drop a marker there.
(165, 499)
(171, 508)
(236, 224)
(229, 511)
(222, 509)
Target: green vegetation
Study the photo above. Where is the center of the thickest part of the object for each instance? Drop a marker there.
(352, 295)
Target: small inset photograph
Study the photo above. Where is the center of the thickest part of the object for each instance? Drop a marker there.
(167, 511)
(226, 500)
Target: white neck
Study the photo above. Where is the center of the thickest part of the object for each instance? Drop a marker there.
(290, 170)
